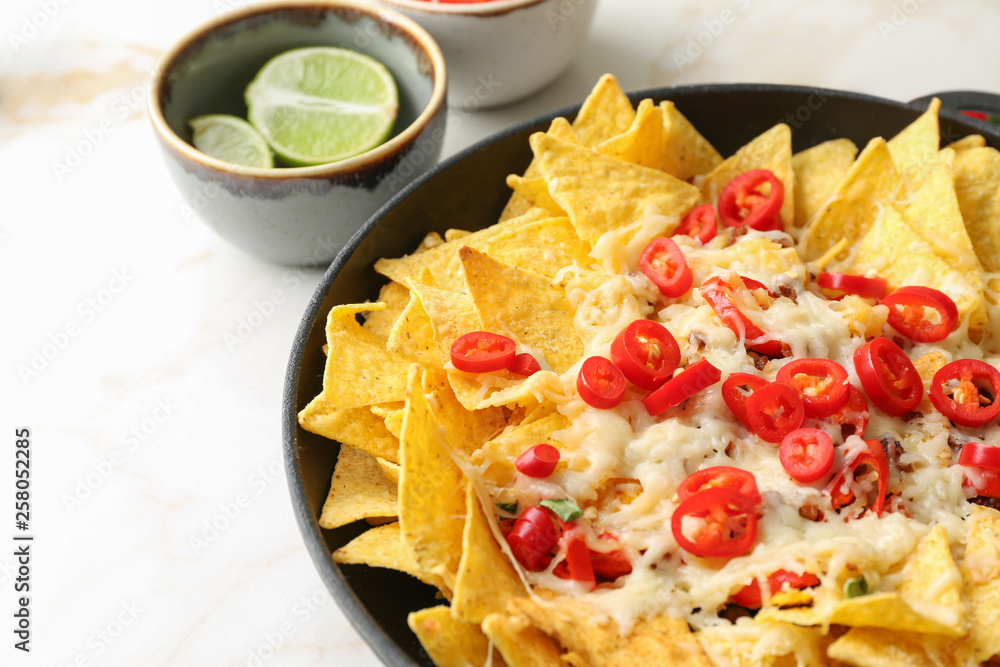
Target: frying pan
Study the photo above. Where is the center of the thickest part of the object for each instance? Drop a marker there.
(468, 191)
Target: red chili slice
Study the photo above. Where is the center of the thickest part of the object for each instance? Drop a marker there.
(664, 263)
(538, 461)
(980, 456)
(696, 377)
(853, 417)
(821, 382)
(578, 557)
(699, 223)
(600, 383)
(720, 477)
(908, 313)
(967, 392)
(524, 364)
(737, 389)
(482, 352)
(774, 411)
(888, 377)
(719, 294)
(806, 454)
(750, 596)
(742, 202)
(848, 283)
(533, 537)
(874, 456)
(646, 353)
(728, 527)
(984, 481)
(611, 564)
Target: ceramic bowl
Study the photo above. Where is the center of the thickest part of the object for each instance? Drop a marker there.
(301, 215)
(503, 50)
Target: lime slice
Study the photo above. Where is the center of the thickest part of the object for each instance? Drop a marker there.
(322, 104)
(231, 139)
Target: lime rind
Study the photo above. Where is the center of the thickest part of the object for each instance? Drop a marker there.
(318, 105)
(230, 139)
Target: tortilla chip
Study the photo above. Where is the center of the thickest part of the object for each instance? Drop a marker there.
(390, 470)
(869, 647)
(914, 148)
(605, 113)
(362, 372)
(395, 297)
(871, 184)
(465, 430)
(965, 143)
(601, 193)
(412, 335)
(357, 427)
(431, 487)
(977, 172)
(756, 645)
(382, 546)
(770, 150)
(981, 574)
(523, 305)
(486, 579)
(520, 644)
(394, 423)
(519, 204)
(450, 642)
(535, 192)
(818, 172)
(644, 143)
(897, 253)
(687, 153)
(519, 247)
(596, 638)
(496, 458)
(932, 582)
(359, 490)
(452, 314)
(442, 261)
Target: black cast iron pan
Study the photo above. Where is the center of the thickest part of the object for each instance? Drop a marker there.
(468, 191)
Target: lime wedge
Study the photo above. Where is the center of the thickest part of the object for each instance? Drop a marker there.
(322, 104)
(231, 139)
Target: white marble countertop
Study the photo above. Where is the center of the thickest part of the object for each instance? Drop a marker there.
(162, 522)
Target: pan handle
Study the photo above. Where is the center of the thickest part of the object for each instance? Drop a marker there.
(983, 106)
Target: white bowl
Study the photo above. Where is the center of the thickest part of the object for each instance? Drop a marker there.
(503, 50)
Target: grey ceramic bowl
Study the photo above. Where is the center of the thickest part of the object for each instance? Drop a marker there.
(300, 215)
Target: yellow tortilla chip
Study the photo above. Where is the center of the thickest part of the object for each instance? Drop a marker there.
(871, 184)
(412, 335)
(818, 172)
(390, 470)
(465, 430)
(496, 458)
(519, 247)
(870, 647)
(596, 638)
(486, 579)
(605, 113)
(535, 191)
(644, 143)
(357, 427)
(757, 645)
(519, 203)
(395, 297)
(687, 153)
(362, 372)
(523, 305)
(770, 150)
(359, 490)
(977, 172)
(914, 148)
(601, 193)
(450, 642)
(382, 546)
(452, 314)
(981, 574)
(897, 253)
(520, 644)
(965, 143)
(442, 261)
(431, 487)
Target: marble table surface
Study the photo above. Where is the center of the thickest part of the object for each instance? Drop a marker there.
(162, 521)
